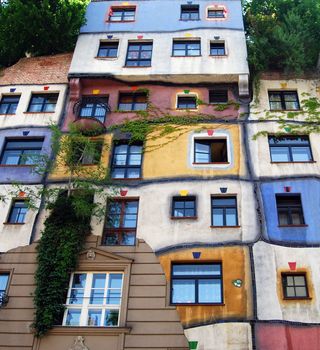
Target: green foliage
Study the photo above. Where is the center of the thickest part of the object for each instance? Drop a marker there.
(39, 27)
(62, 240)
(282, 34)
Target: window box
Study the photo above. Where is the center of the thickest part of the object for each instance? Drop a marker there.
(290, 149)
(189, 13)
(224, 211)
(289, 208)
(9, 104)
(186, 48)
(196, 284)
(22, 151)
(184, 208)
(42, 103)
(139, 54)
(284, 101)
(121, 222)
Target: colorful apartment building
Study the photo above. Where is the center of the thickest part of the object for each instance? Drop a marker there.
(211, 240)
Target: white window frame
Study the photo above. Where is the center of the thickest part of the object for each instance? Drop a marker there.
(218, 134)
(86, 306)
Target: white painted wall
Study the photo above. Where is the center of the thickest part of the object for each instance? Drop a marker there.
(164, 67)
(267, 259)
(157, 228)
(34, 119)
(231, 336)
(13, 236)
(261, 159)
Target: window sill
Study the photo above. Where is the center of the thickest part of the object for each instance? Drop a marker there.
(300, 162)
(224, 226)
(187, 109)
(224, 163)
(108, 21)
(15, 166)
(85, 330)
(302, 225)
(137, 66)
(38, 112)
(127, 179)
(198, 304)
(133, 111)
(285, 110)
(7, 113)
(297, 298)
(218, 56)
(190, 20)
(184, 218)
(106, 58)
(13, 223)
(187, 56)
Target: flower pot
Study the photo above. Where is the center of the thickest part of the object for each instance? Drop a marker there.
(210, 132)
(46, 88)
(193, 345)
(223, 189)
(292, 265)
(123, 193)
(287, 188)
(196, 255)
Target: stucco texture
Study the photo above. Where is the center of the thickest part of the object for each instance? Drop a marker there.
(237, 301)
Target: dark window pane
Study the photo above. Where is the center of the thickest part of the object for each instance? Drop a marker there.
(284, 100)
(289, 209)
(108, 49)
(211, 151)
(218, 96)
(216, 14)
(9, 104)
(43, 103)
(217, 49)
(186, 48)
(224, 211)
(187, 102)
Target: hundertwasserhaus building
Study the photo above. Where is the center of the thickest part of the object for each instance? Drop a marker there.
(212, 241)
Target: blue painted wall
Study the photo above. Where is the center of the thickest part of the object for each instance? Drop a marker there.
(310, 198)
(22, 174)
(160, 15)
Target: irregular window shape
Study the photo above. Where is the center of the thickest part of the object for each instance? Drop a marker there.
(9, 104)
(184, 207)
(18, 212)
(218, 96)
(284, 100)
(186, 48)
(4, 280)
(294, 285)
(139, 54)
(189, 12)
(24, 151)
(210, 151)
(94, 107)
(108, 49)
(196, 284)
(289, 209)
(94, 299)
(187, 102)
(290, 148)
(224, 211)
(126, 161)
(133, 101)
(122, 14)
(43, 103)
(121, 222)
(217, 49)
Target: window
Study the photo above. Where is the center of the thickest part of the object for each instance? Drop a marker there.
(43, 103)
(289, 209)
(290, 149)
(94, 299)
(18, 212)
(189, 12)
(21, 151)
(216, 13)
(196, 284)
(108, 49)
(224, 211)
(283, 100)
(187, 102)
(126, 161)
(9, 104)
(294, 285)
(121, 222)
(184, 207)
(4, 279)
(217, 49)
(123, 14)
(218, 96)
(94, 107)
(210, 151)
(133, 101)
(186, 48)
(139, 54)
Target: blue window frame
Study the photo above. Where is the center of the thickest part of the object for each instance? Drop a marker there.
(18, 212)
(196, 283)
(290, 148)
(139, 54)
(9, 104)
(43, 103)
(189, 12)
(22, 151)
(224, 211)
(186, 48)
(108, 49)
(217, 49)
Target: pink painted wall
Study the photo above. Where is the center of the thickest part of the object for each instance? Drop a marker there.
(286, 337)
(162, 97)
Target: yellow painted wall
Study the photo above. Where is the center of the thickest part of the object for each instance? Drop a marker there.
(235, 265)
